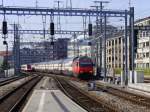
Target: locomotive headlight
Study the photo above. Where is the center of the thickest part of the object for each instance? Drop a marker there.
(81, 71)
(91, 71)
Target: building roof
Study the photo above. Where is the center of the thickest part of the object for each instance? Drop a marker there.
(143, 19)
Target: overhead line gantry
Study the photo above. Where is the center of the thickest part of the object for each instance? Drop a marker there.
(61, 12)
(47, 32)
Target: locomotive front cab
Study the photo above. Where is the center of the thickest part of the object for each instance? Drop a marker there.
(86, 65)
(83, 67)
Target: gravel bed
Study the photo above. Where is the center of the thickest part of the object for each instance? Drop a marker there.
(9, 87)
(121, 104)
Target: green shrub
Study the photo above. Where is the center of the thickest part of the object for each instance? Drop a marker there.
(145, 70)
(118, 70)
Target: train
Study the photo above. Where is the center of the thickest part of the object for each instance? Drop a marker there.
(27, 68)
(81, 67)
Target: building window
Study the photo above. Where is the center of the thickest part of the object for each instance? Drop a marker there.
(143, 44)
(112, 58)
(147, 55)
(146, 33)
(119, 65)
(116, 41)
(109, 43)
(140, 34)
(112, 50)
(112, 42)
(147, 65)
(109, 59)
(147, 44)
(148, 22)
(143, 55)
(137, 56)
(119, 40)
(116, 58)
(109, 51)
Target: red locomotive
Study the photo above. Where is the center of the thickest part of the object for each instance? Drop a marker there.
(82, 67)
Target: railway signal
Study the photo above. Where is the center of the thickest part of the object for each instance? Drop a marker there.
(4, 42)
(90, 29)
(4, 27)
(52, 28)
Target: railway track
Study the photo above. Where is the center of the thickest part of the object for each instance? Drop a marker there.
(147, 80)
(12, 101)
(132, 97)
(83, 98)
(8, 81)
(88, 102)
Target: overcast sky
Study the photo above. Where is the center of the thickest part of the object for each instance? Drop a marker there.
(142, 9)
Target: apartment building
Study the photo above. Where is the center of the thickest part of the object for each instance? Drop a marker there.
(115, 51)
(143, 51)
(115, 48)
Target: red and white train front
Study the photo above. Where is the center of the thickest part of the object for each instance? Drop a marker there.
(83, 67)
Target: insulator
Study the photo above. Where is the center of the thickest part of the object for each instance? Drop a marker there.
(90, 29)
(4, 28)
(52, 28)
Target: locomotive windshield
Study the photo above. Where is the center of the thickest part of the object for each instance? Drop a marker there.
(85, 64)
(28, 66)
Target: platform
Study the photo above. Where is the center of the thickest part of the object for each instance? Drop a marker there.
(139, 88)
(145, 87)
(51, 101)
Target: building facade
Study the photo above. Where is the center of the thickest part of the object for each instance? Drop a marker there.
(115, 51)
(143, 50)
(115, 48)
(79, 47)
(44, 51)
